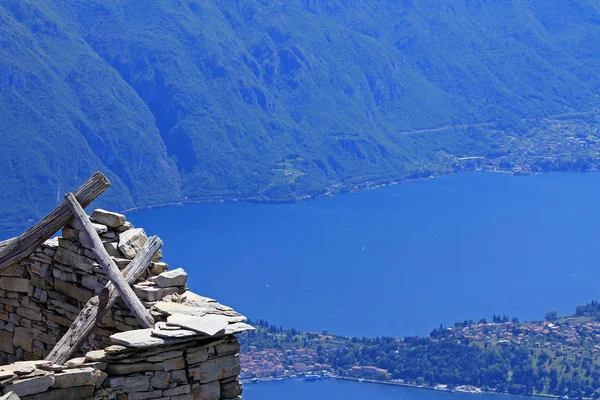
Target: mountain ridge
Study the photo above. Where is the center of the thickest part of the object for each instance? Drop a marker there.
(269, 100)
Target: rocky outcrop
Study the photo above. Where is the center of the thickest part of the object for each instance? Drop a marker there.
(190, 353)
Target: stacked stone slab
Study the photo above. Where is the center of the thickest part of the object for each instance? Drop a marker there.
(191, 353)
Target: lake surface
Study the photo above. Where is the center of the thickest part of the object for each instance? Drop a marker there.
(397, 261)
(346, 390)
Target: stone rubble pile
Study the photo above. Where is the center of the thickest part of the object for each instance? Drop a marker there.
(42, 295)
(191, 353)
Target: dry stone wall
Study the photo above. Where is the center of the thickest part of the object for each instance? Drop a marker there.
(191, 353)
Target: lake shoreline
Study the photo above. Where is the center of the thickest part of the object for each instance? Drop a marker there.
(351, 188)
(332, 191)
(406, 385)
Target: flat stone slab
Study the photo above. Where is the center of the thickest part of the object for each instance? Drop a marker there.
(238, 327)
(108, 218)
(152, 293)
(35, 385)
(4, 375)
(142, 338)
(173, 333)
(209, 325)
(176, 277)
(74, 377)
(171, 308)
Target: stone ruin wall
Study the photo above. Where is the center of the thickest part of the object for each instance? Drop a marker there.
(44, 293)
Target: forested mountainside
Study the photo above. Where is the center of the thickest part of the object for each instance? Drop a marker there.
(271, 99)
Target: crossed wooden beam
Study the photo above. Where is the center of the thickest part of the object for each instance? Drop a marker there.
(16, 249)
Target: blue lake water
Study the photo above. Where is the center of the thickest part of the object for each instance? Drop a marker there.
(345, 390)
(398, 260)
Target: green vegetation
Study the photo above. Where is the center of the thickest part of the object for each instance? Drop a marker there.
(559, 358)
(278, 100)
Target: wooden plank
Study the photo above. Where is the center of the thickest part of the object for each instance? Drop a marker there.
(97, 307)
(22, 246)
(108, 265)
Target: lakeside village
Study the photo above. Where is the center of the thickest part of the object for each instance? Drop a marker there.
(562, 143)
(552, 145)
(555, 342)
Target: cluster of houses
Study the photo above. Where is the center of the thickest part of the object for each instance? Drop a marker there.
(556, 335)
(554, 140)
(271, 363)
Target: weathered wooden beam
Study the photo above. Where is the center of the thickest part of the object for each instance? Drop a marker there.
(97, 307)
(108, 265)
(22, 246)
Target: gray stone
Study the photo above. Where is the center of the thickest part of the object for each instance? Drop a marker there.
(227, 348)
(176, 277)
(10, 396)
(209, 325)
(125, 227)
(181, 397)
(76, 362)
(209, 391)
(113, 250)
(85, 240)
(6, 374)
(95, 355)
(171, 308)
(121, 262)
(151, 293)
(179, 376)
(100, 228)
(130, 384)
(197, 357)
(132, 241)
(63, 256)
(217, 369)
(91, 282)
(164, 356)
(68, 244)
(108, 218)
(23, 338)
(142, 338)
(160, 380)
(35, 385)
(75, 292)
(81, 392)
(11, 284)
(156, 394)
(74, 377)
(231, 390)
(15, 270)
(6, 342)
(238, 327)
(178, 390)
(157, 268)
(173, 333)
(69, 233)
(125, 369)
(174, 364)
(100, 377)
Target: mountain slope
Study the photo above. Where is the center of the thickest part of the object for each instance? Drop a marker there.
(269, 100)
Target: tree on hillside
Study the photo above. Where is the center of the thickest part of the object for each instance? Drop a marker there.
(551, 316)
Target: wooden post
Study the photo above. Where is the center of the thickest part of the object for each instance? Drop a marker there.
(97, 307)
(22, 246)
(110, 268)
